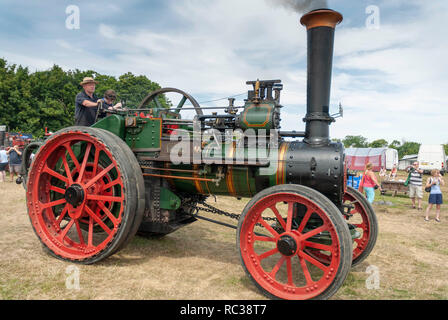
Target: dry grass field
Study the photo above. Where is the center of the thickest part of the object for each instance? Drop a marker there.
(201, 261)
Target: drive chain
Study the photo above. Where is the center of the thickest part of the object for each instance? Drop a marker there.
(211, 209)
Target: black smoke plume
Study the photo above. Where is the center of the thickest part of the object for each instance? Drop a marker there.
(301, 6)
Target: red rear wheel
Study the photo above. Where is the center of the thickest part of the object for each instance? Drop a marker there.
(277, 228)
(363, 218)
(81, 195)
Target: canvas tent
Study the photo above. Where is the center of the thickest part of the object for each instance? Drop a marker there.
(357, 158)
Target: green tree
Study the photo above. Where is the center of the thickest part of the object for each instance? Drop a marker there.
(133, 89)
(29, 102)
(408, 148)
(380, 143)
(355, 142)
(395, 144)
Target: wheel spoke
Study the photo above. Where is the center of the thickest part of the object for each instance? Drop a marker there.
(181, 104)
(72, 155)
(289, 219)
(268, 254)
(52, 203)
(289, 271)
(62, 215)
(108, 213)
(90, 235)
(99, 197)
(95, 160)
(267, 226)
(305, 220)
(99, 175)
(263, 238)
(58, 190)
(67, 170)
(305, 270)
(312, 261)
(317, 246)
(84, 163)
(362, 226)
(66, 230)
(111, 184)
(98, 220)
(314, 232)
(277, 267)
(156, 101)
(278, 216)
(55, 174)
(78, 228)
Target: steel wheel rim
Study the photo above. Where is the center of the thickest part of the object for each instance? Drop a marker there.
(358, 212)
(267, 279)
(53, 176)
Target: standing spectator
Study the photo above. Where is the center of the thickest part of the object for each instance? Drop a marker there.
(369, 183)
(435, 196)
(3, 164)
(415, 184)
(15, 161)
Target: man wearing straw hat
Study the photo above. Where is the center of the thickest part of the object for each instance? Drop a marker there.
(86, 103)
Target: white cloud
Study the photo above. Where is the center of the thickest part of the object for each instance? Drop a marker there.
(107, 31)
(33, 63)
(393, 81)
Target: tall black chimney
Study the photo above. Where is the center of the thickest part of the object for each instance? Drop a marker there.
(320, 25)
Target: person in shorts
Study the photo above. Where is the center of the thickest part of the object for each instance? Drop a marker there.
(415, 184)
(435, 195)
(15, 161)
(3, 164)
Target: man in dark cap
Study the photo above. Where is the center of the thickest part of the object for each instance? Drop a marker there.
(86, 103)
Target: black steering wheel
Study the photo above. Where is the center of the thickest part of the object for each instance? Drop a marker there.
(185, 96)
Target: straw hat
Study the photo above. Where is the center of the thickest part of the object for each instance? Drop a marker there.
(88, 80)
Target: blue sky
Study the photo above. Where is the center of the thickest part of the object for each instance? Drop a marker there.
(391, 80)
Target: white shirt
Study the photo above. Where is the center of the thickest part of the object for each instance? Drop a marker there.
(3, 156)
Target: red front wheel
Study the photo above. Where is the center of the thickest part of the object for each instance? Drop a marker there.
(83, 194)
(277, 228)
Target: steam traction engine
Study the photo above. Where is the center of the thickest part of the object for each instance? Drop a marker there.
(148, 171)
